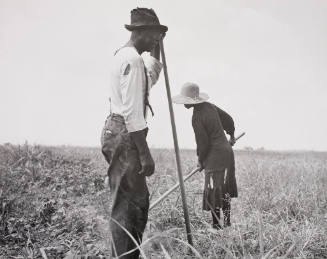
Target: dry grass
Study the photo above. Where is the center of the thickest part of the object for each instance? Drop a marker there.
(55, 197)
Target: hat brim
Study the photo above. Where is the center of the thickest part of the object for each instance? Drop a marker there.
(182, 99)
(160, 27)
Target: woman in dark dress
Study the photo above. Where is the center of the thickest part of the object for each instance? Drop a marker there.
(215, 153)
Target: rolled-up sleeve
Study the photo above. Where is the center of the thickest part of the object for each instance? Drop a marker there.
(132, 81)
(153, 67)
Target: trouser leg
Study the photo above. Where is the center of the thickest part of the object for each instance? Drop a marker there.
(130, 205)
(126, 214)
(227, 211)
(130, 196)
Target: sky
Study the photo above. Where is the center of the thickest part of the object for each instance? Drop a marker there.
(264, 62)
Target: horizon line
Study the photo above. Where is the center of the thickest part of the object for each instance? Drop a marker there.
(246, 148)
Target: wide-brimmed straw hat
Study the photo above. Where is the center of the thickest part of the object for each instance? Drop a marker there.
(145, 18)
(190, 94)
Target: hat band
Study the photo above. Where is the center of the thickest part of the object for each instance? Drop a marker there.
(141, 26)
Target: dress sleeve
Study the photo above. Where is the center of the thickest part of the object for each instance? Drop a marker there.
(132, 80)
(226, 121)
(201, 137)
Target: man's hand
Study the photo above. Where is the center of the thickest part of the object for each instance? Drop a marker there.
(153, 67)
(156, 50)
(232, 140)
(146, 159)
(147, 164)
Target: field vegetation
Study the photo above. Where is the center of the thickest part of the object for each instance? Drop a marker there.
(53, 202)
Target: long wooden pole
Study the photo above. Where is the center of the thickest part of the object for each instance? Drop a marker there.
(178, 161)
(162, 197)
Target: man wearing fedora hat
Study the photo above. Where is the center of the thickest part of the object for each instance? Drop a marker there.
(214, 151)
(123, 137)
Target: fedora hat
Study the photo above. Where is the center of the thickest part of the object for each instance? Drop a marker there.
(190, 94)
(144, 18)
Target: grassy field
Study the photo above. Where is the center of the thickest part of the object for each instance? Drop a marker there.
(53, 200)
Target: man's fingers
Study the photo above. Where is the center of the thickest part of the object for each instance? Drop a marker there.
(150, 170)
(147, 170)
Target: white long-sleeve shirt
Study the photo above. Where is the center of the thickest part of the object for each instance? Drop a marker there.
(128, 85)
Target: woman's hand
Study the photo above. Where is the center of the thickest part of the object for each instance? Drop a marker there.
(232, 140)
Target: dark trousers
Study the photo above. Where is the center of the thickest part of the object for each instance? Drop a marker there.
(128, 189)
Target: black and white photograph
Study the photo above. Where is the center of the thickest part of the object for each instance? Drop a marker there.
(163, 129)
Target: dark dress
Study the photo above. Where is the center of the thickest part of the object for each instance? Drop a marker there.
(215, 153)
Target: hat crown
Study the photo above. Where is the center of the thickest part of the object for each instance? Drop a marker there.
(190, 90)
(144, 16)
(190, 94)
